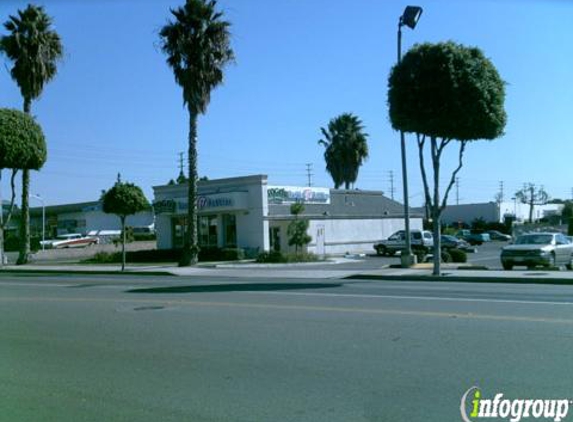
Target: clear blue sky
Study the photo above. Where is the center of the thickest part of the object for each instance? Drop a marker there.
(114, 105)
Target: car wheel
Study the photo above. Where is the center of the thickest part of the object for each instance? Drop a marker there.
(551, 263)
(569, 266)
(381, 251)
(507, 266)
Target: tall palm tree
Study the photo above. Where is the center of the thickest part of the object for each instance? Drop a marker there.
(346, 148)
(197, 45)
(34, 49)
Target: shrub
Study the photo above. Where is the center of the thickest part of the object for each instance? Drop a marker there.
(232, 254)
(271, 257)
(458, 255)
(105, 258)
(154, 255)
(12, 243)
(446, 257)
(275, 257)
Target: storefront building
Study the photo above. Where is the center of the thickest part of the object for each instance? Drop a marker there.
(245, 212)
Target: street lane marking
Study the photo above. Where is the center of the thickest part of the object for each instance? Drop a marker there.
(391, 312)
(401, 297)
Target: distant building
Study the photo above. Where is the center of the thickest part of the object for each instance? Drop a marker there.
(494, 212)
(82, 218)
(245, 212)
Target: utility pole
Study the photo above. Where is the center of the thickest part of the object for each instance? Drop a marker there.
(181, 162)
(501, 193)
(392, 190)
(309, 173)
(457, 191)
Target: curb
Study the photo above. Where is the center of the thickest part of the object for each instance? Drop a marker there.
(463, 279)
(87, 272)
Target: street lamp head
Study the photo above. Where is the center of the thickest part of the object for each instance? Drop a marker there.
(411, 16)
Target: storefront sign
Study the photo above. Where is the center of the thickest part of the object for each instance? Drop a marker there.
(165, 206)
(208, 202)
(215, 202)
(292, 194)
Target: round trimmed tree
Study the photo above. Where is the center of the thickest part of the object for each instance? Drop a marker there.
(124, 199)
(445, 92)
(22, 146)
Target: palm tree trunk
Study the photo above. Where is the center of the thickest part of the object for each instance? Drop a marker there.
(25, 220)
(123, 243)
(190, 251)
(1, 226)
(25, 214)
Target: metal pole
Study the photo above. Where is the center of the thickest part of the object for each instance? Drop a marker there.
(43, 225)
(408, 251)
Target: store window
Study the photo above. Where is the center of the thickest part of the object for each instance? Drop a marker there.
(230, 230)
(208, 230)
(178, 230)
(275, 238)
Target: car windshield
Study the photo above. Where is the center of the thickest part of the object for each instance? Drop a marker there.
(534, 239)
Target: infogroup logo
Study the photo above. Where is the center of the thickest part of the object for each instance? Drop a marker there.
(514, 410)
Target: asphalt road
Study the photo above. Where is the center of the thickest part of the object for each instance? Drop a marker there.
(102, 348)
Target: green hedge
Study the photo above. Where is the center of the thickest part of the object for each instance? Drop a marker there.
(275, 257)
(458, 255)
(12, 243)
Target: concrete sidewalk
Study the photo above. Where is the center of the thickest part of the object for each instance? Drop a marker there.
(452, 272)
(422, 272)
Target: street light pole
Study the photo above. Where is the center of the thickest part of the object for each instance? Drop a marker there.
(39, 198)
(409, 18)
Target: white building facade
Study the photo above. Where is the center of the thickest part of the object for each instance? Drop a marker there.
(245, 212)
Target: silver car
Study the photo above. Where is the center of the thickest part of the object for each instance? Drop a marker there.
(533, 249)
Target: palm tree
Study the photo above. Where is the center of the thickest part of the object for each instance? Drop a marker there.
(34, 48)
(345, 148)
(197, 46)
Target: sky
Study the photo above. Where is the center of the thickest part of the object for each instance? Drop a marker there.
(115, 107)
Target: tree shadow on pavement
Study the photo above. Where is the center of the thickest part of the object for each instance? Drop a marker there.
(246, 287)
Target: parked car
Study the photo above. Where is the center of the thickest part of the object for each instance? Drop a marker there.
(72, 240)
(497, 235)
(533, 249)
(422, 241)
(452, 242)
(473, 238)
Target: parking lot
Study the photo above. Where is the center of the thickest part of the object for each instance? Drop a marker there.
(487, 255)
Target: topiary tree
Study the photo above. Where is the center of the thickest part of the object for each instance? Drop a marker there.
(124, 199)
(22, 146)
(34, 49)
(445, 92)
(296, 230)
